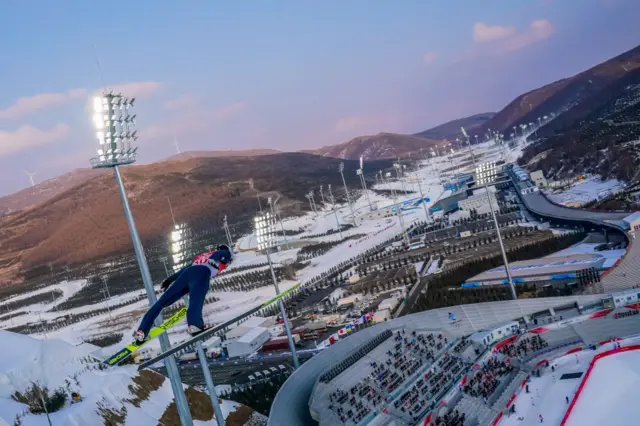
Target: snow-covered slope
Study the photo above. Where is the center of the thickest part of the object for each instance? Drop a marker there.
(144, 398)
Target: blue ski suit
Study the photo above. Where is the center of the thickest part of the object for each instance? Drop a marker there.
(193, 279)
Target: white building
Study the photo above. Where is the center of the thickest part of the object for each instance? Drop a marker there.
(244, 327)
(479, 202)
(633, 220)
(538, 178)
(248, 343)
(336, 295)
(389, 304)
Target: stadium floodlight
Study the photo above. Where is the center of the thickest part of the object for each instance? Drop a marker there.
(486, 173)
(346, 191)
(114, 124)
(265, 229)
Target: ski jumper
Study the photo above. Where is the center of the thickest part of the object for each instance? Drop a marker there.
(194, 280)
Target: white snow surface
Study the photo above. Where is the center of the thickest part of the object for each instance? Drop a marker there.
(584, 191)
(608, 396)
(50, 363)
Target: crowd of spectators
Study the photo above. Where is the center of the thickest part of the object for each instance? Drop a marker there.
(461, 345)
(432, 384)
(451, 419)
(410, 351)
(524, 345)
(356, 407)
(484, 382)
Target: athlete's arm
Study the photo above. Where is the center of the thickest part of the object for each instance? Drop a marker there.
(169, 280)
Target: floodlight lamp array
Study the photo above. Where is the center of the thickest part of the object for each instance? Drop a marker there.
(114, 130)
(178, 246)
(264, 226)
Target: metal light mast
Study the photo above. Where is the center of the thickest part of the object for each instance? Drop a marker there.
(346, 191)
(115, 134)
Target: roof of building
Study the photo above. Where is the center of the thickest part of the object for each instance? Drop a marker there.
(544, 266)
(252, 334)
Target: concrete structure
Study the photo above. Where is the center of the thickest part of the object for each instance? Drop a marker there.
(547, 268)
(538, 178)
(479, 203)
(350, 299)
(248, 343)
(294, 402)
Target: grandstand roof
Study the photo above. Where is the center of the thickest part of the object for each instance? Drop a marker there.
(544, 266)
(292, 403)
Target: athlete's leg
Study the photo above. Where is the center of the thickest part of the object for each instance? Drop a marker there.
(198, 287)
(171, 296)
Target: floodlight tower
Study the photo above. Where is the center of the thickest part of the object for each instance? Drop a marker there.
(333, 207)
(484, 175)
(310, 198)
(227, 233)
(179, 243)
(322, 196)
(264, 228)
(346, 191)
(114, 131)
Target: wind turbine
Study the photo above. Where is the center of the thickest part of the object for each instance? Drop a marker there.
(31, 175)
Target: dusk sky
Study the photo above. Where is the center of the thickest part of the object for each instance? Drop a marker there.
(278, 74)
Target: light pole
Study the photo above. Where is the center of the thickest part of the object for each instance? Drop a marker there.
(405, 237)
(227, 233)
(322, 196)
(487, 175)
(346, 191)
(107, 295)
(179, 251)
(264, 228)
(364, 188)
(311, 205)
(333, 207)
(276, 214)
(114, 131)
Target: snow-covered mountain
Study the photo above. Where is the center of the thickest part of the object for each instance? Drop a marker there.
(113, 396)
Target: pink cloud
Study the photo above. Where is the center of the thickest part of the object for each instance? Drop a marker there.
(538, 30)
(429, 58)
(483, 33)
(29, 104)
(501, 40)
(27, 137)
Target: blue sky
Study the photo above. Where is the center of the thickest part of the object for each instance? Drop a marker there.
(279, 74)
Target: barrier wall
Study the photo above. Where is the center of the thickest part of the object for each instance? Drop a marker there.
(594, 361)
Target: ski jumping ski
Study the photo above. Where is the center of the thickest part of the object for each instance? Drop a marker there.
(153, 333)
(209, 333)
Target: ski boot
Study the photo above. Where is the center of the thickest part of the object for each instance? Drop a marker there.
(139, 337)
(194, 331)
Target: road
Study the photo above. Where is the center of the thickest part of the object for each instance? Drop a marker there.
(234, 371)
